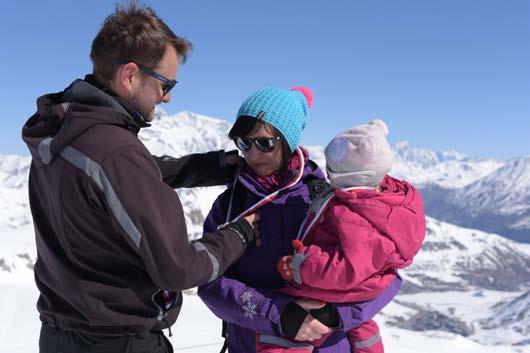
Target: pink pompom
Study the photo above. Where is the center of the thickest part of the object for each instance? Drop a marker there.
(307, 94)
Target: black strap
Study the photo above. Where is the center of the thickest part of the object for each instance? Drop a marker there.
(292, 318)
(225, 347)
(316, 186)
(223, 330)
(223, 334)
(327, 315)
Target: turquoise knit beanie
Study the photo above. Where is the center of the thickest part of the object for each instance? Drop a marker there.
(286, 110)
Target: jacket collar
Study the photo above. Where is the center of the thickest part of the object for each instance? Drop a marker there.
(137, 121)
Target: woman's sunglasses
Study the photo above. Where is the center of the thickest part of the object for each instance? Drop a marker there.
(263, 144)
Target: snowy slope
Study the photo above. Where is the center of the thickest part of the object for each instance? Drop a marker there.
(455, 258)
(467, 282)
(197, 330)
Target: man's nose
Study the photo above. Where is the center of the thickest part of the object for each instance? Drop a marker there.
(166, 98)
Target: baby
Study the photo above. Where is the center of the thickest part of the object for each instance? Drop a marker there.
(357, 234)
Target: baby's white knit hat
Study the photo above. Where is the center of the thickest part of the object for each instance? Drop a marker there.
(359, 156)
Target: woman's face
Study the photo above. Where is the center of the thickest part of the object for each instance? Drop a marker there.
(264, 163)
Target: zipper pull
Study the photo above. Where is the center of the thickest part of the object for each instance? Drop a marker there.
(169, 331)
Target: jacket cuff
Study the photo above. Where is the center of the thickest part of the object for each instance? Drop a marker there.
(298, 259)
(278, 302)
(222, 157)
(229, 171)
(221, 154)
(247, 230)
(243, 230)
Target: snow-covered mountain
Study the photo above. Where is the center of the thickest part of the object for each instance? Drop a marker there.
(14, 171)
(505, 190)
(449, 169)
(498, 202)
(186, 132)
(464, 282)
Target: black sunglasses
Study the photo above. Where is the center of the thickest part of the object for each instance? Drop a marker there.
(167, 84)
(263, 144)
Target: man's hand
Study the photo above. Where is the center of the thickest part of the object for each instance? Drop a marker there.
(253, 220)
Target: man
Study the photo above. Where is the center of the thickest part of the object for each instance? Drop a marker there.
(113, 250)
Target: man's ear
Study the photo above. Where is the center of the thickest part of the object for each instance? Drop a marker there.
(127, 79)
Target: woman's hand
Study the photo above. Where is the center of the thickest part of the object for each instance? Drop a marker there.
(311, 328)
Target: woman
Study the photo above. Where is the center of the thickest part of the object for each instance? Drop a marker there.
(275, 182)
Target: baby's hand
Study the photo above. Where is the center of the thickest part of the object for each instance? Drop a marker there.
(285, 268)
(285, 265)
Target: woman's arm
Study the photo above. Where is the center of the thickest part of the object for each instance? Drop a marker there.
(338, 316)
(233, 301)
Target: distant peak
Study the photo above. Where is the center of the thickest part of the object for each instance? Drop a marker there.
(402, 144)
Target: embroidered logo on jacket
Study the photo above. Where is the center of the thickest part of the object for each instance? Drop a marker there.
(248, 306)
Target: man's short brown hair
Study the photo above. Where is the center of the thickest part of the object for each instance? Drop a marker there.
(134, 34)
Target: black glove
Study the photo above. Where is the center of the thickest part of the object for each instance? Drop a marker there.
(291, 319)
(327, 315)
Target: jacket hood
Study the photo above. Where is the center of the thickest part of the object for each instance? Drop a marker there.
(396, 212)
(62, 117)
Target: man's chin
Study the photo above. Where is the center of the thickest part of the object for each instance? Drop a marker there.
(149, 116)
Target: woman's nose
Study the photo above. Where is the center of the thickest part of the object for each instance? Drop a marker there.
(253, 152)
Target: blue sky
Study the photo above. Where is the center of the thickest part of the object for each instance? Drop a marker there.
(446, 74)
